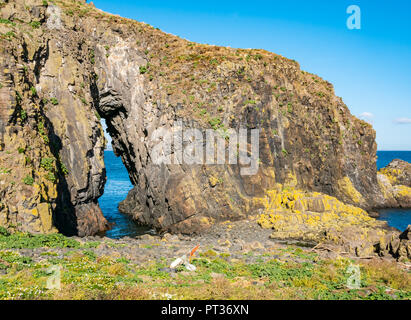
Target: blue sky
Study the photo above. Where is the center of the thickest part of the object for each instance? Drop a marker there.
(370, 68)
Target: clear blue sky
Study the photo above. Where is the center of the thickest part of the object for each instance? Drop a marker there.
(370, 68)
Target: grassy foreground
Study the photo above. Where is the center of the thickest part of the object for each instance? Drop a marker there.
(84, 275)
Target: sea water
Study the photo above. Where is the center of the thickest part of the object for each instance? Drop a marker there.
(117, 187)
(397, 218)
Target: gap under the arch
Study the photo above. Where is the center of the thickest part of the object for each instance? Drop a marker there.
(116, 189)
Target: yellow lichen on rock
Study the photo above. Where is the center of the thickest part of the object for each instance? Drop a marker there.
(45, 213)
(402, 191)
(312, 216)
(291, 181)
(396, 194)
(311, 207)
(213, 181)
(347, 188)
(385, 186)
(403, 195)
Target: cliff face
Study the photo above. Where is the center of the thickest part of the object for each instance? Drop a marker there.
(52, 142)
(65, 65)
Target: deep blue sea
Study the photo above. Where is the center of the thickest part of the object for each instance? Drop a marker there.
(118, 185)
(397, 218)
(385, 157)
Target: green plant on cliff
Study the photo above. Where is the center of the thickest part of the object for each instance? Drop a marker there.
(4, 170)
(4, 232)
(30, 241)
(9, 35)
(213, 61)
(19, 98)
(64, 169)
(203, 112)
(97, 115)
(290, 107)
(51, 177)
(47, 164)
(33, 91)
(54, 101)
(62, 166)
(252, 102)
(35, 24)
(42, 131)
(8, 22)
(144, 69)
(92, 57)
(28, 180)
(23, 114)
(215, 123)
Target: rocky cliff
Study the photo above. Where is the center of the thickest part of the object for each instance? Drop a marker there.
(395, 183)
(66, 64)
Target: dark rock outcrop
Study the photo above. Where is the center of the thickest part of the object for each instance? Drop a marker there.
(399, 172)
(395, 184)
(52, 141)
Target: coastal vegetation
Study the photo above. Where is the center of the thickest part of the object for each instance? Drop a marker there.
(301, 221)
(288, 272)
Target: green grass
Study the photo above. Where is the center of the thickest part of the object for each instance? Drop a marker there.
(215, 123)
(253, 102)
(29, 241)
(143, 69)
(47, 164)
(86, 275)
(8, 22)
(35, 24)
(28, 180)
(5, 170)
(51, 177)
